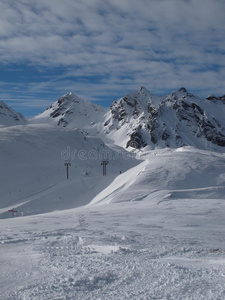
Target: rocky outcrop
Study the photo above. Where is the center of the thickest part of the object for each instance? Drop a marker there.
(176, 120)
(10, 117)
(141, 119)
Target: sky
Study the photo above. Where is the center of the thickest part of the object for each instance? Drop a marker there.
(102, 49)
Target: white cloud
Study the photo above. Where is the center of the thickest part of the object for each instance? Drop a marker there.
(159, 43)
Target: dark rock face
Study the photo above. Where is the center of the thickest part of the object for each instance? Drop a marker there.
(63, 109)
(140, 119)
(211, 133)
(182, 90)
(136, 140)
(73, 111)
(10, 117)
(118, 111)
(214, 99)
(177, 120)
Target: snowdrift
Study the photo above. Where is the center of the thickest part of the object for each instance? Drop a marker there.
(169, 174)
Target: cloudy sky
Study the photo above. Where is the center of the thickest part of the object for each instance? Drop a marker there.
(102, 49)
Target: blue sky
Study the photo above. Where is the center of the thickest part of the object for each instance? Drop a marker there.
(102, 49)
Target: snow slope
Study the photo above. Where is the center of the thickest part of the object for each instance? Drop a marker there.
(33, 175)
(170, 174)
(170, 249)
(9, 117)
(73, 112)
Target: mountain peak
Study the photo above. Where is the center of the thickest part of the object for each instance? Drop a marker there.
(183, 90)
(9, 117)
(143, 89)
(71, 110)
(68, 98)
(140, 118)
(179, 119)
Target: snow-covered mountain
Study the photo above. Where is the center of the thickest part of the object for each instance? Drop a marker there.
(9, 117)
(141, 119)
(73, 112)
(180, 119)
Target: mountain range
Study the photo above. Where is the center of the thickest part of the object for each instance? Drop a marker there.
(138, 119)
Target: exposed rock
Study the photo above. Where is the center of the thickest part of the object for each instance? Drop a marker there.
(174, 121)
(214, 99)
(136, 140)
(140, 118)
(9, 117)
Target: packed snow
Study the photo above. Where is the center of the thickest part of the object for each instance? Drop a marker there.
(137, 250)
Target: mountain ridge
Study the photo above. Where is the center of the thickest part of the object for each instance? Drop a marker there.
(180, 119)
(140, 119)
(33, 155)
(9, 117)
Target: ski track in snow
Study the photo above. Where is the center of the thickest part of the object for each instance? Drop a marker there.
(135, 251)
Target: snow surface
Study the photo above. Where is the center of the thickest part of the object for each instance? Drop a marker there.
(157, 232)
(138, 250)
(170, 173)
(153, 228)
(33, 158)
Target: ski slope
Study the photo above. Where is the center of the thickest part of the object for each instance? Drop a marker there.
(170, 174)
(132, 250)
(157, 231)
(33, 175)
